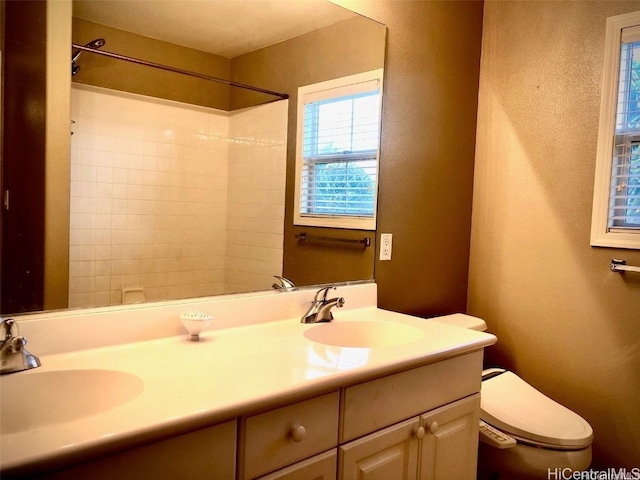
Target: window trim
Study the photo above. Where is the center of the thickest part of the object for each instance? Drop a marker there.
(337, 221)
(601, 234)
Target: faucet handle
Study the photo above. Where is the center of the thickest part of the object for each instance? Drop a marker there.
(8, 324)
(285, 283)
(323, 291)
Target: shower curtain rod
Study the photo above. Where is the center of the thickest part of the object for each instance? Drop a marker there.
(117, 56)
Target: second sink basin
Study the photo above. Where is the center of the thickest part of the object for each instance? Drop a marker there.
(363, 334)
(34, 399)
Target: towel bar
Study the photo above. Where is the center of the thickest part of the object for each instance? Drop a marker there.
(366, 242)
(621, 266)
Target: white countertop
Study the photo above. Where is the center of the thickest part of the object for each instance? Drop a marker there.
(230, 372)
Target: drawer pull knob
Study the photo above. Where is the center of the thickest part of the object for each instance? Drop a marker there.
(433, 427)
(298, 433)
(419, 433)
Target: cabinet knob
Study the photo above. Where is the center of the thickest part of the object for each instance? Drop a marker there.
(419, 433)
(298, 433)
(433, 427)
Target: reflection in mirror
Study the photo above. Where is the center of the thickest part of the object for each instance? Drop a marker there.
(173, 201)
(176, 186)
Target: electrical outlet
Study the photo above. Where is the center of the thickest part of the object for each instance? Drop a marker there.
(385, 246)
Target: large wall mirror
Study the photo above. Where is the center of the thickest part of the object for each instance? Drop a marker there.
(126, 183)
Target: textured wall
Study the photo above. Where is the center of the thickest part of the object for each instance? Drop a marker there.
(428, 128)
(57, 139)
(120, 75)
(566, 323)
(348, 47)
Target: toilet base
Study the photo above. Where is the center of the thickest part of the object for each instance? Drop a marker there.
(524, 462)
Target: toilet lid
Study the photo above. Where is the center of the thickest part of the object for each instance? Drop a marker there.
(515, 407)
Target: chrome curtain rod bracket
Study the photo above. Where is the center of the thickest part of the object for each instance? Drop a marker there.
(366, 242)
(621, 266)
(159, 66)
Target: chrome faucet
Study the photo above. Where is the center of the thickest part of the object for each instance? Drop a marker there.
(320, 309)
(13, 356)
(283, 284)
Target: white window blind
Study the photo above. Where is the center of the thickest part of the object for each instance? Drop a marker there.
(338, 156)
(615, 220)
(624, 197)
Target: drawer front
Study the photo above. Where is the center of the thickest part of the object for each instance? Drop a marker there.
(286, 435)
(382, 402)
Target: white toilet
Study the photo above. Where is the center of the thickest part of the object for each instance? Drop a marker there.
(528, 435)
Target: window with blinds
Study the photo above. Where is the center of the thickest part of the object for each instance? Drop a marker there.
(624, 201)
(616, 209)
(337, 153)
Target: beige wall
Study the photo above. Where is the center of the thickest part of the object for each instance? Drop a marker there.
(119, 75)
(345, 48)
(427, 153)
(565, 322)
(57, 138)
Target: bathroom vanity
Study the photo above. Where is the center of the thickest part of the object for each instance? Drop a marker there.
(373, 394)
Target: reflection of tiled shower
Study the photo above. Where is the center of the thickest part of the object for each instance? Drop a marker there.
(170, 200)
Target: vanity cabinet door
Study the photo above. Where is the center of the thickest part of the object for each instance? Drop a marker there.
(390, 454)
(209, 453)
(320, 467)
(450, 445)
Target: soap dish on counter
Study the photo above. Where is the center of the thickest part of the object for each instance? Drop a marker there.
(195, 323)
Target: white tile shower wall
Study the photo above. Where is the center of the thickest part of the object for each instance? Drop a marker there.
(148, 198)
(255, 214)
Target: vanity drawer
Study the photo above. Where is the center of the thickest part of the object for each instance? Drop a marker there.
(285, 435)
(379, 403)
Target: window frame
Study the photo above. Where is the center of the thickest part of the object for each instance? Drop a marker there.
(311, 92)
(602, 233)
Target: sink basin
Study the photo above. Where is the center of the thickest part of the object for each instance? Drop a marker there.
(33, 399)
(363, 334)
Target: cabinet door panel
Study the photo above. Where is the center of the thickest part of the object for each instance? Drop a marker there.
(320, 467)
(390, 454)
(450, 445)
(204, 454)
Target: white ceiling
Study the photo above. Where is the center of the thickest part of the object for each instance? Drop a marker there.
(223, 27)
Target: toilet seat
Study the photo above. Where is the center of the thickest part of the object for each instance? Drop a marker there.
(515, 407)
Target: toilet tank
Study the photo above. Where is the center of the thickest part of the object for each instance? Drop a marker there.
(462, 320)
